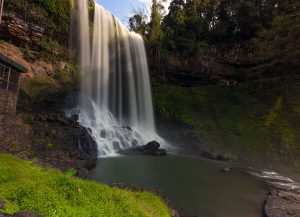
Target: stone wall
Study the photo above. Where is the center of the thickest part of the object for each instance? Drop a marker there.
(8, 101)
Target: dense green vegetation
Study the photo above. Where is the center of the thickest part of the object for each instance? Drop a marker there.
(254, 120)
(25, 186)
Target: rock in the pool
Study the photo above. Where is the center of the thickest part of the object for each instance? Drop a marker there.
(152, 148)
(226, 169)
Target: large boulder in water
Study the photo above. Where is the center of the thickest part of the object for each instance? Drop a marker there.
(151, 148)
(86, 143)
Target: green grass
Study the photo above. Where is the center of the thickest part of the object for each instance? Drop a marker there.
(25, 186)
(253, 120)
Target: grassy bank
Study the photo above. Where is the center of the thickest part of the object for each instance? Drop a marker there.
(258, 121)
(25, 186)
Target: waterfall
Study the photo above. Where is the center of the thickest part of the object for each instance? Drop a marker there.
(115, 100)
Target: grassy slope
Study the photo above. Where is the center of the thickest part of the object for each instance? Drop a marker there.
(48, 192)
(258, 120)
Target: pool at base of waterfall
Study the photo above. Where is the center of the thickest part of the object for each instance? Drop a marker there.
(195, 187)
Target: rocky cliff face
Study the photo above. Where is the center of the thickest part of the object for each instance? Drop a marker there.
(40, 129)
(7, 102)
(14, 28)
(195, 71)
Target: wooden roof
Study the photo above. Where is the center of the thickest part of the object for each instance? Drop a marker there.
(13, 64)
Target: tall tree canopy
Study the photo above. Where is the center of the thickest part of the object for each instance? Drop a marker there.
(191, 25)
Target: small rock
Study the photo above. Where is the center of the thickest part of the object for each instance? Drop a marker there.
(127, 128)
(161, 152)
(116, 145)
(134, 143)
(75, 118)
(103, 133)
(226, 169)
(218, 156)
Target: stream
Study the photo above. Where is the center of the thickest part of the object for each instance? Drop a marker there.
(194, 186)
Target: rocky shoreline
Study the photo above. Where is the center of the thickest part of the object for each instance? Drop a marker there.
(282, 204)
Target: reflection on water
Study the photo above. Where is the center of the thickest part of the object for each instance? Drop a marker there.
(194, 186)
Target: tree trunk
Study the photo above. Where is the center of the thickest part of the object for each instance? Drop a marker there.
(1, 9)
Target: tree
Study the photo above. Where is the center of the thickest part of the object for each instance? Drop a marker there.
(174, 24)
(155, 35)
(138, 22)
(246, 18)
(224, 27)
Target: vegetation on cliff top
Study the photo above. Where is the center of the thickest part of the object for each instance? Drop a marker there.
(48, 192)
(215, 28)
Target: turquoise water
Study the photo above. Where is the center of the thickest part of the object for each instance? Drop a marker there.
(194, 186)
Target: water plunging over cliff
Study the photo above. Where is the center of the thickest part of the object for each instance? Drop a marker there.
(115, 99)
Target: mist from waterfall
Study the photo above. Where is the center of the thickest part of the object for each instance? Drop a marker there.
(115, 100)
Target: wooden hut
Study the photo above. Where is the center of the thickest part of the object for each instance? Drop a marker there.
(9, 84)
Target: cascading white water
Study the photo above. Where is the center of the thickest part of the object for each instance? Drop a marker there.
(115, 100)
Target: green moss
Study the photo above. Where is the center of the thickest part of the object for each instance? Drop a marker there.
(173, 102)
(48, 192)
(38, 86)
(50, 145)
